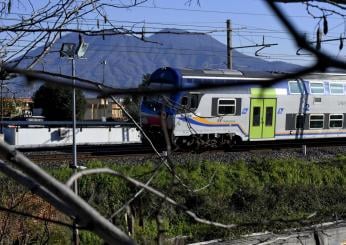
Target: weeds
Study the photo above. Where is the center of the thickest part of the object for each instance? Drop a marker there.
(263, 194)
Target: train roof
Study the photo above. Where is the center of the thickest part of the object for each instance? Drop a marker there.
(256, 74)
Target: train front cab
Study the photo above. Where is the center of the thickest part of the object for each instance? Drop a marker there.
(151, 106)
(263, 107)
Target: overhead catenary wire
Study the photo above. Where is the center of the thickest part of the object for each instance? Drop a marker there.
(156, 7)
(158, 26)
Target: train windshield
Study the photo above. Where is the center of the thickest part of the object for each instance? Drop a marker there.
(190, 101)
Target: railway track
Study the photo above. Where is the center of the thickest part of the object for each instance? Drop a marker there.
(87, 152)
(139, 150)
(288, 144)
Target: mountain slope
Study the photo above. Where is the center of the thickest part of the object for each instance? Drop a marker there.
(129, 58)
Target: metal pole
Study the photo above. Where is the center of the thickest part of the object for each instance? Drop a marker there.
(74, 145)
(104, 62)
(304, 149)
(74, 116)
(229, 45)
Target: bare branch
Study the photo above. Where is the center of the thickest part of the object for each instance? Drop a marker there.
(57, 222)
(336, 2)
(34, 187)
(53, 18)
(85, 215)
(137, 194)
(150, 189)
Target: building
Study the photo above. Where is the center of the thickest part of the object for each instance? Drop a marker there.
(11, 107)
(102, 109)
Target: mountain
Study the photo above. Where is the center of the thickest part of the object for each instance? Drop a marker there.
(129, 58)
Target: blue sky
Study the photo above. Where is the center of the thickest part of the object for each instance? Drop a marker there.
(251, 19)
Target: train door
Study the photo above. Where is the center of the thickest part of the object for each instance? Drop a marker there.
(262, 118)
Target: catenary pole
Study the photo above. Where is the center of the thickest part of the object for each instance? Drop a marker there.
(229, 44)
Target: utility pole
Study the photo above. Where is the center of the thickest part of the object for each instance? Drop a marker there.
(69, 50)
(104, 63)
(74, 162)
(229, 44)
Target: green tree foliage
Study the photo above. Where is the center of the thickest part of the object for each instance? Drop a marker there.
(56, 102)
(132, 103)
(145, 80)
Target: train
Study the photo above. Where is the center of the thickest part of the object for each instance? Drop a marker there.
(243, 106)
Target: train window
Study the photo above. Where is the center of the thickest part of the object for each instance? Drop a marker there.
(335, 120)
(300, 121)
(294, 87)
(316, 121)
(194, 101)
(336, 88)
(226, 106)
(317, 100)
(184, 101)
(256, 121)
(317, 88)
(269, 116)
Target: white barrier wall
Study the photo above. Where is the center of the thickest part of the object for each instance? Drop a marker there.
(31, 137)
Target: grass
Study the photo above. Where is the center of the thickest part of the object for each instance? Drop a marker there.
(263, 194)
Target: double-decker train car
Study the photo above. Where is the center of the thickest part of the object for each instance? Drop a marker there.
(252, 109)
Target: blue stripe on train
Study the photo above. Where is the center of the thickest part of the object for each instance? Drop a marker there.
(191, 121)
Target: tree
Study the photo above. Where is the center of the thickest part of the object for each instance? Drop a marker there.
(132, 103)
(56, 102)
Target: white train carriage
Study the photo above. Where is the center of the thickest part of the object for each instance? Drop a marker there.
(313, 106)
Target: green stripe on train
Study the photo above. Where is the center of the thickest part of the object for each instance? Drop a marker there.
(263, 92)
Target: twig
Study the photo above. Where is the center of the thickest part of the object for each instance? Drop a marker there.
(85, 215)
(148, 188)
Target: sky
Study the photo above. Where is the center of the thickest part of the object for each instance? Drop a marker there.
(252, 22)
